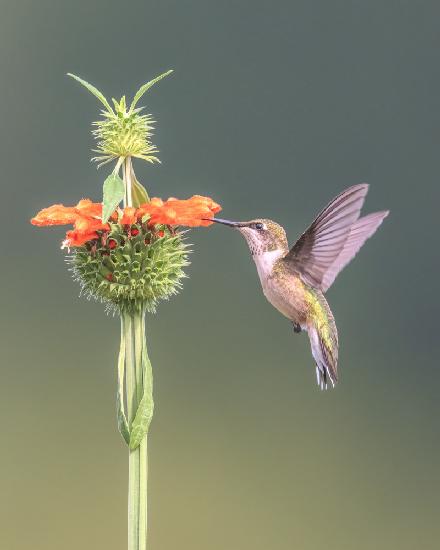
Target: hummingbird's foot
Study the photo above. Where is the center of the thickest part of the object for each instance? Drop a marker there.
(296, 327)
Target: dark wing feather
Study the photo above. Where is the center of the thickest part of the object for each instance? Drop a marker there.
(360, 231)
(319, 246)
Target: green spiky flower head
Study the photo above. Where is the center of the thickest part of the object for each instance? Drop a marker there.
(123, 131)
(131, 268)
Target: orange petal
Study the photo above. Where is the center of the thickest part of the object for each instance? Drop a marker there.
(190, 212)
(155, 202)
(142, 211)
(78, 238)
(164, 216)
(87, 225)
(86, 207)
(56, 214)
(213, 206)
(129, 216)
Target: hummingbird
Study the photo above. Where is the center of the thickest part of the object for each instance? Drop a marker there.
(295, 280)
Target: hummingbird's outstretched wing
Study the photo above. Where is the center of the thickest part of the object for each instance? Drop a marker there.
(320, 246)
(360, 231)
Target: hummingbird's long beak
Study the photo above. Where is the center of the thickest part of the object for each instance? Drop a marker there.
(225, 222)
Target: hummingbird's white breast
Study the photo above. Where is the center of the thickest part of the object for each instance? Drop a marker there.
(272, 286)
(265, 262)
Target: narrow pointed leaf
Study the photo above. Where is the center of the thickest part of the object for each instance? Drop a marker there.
(139, 194)
(122, 420)
(141, 422)
(120, 409)
(144, 413)
(146, 87)
(92, 90)
(113, 193)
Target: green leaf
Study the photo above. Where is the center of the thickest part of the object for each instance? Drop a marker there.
(141, 422)
(144, 413)
(113, 193)
(145, 88)
(122, 419)
(120, 106)
(93, 90)
(139, 194)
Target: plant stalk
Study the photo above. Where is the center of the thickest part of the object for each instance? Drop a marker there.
(138, 385)
(127, 180)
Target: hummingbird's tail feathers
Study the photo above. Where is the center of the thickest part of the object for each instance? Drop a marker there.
(360, 231)
(322, 378)
(324, 343)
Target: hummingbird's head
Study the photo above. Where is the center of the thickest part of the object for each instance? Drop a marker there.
(262, 235)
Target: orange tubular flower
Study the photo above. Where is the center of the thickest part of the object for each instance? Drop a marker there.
(87, 208)
(55, 215)
(86, 216)
(190, 212)
(88, 225)
(78, 238)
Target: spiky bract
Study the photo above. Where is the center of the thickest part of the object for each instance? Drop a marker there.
(124, 133)
(131, 269)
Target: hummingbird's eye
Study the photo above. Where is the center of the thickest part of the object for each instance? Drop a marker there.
(259, 226)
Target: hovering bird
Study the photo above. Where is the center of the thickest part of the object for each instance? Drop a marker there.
(294, 281)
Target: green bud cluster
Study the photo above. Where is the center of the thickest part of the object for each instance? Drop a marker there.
(124, 133)
(131, 269)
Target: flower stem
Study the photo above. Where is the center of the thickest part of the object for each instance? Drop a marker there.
(133, 461)
(143, 386)
(139, 398)
(127, 179)
(139, 385)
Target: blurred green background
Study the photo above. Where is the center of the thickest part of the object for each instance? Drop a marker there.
(274, 107)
